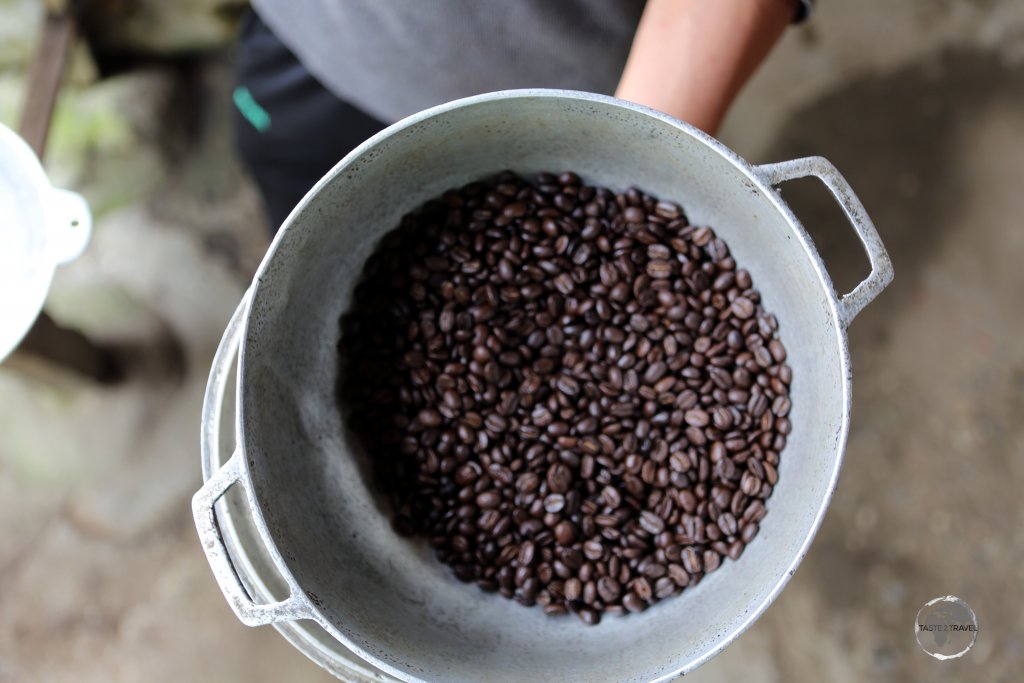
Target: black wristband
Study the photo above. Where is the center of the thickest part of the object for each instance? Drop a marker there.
(803, 10)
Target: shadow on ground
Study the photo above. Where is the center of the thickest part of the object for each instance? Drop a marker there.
(905, 141)
(895, 138)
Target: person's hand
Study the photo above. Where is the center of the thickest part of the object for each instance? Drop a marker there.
(691, 57)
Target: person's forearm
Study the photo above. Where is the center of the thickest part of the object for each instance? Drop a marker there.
(691, 57)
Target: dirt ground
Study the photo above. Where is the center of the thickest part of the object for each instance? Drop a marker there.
(918, 103)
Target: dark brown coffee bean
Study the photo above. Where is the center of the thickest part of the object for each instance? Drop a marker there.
(488, 499)
(573, 589)
(652, 569)
(593, 550)
(651, 522)
(634, 214)
(633, 603)
(742, 308)
(565, 532)
(496, 423)
(691, 560)
(679, 463)
(743, 279)
(554, 503)
(701, 236)
(664, 588)
(608, 588)
(642, 588)
(559, 477)
(678, 575)
(696, 417)
(555, 609)
(712, 561)
(727, 523)
(568, 386)
(750, 484)
(781, 406)
(659, 270)
(654, 372)
(611, 496)
(754, 512)
(429, 417)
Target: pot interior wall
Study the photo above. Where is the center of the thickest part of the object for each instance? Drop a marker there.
(388, 596)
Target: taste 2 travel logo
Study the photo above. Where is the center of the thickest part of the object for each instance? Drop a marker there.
(946, 627)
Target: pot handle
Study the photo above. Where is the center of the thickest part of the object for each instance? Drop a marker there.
(296, 606)
(850, 304)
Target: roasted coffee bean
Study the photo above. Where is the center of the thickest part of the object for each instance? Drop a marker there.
(608, 589)
(642, 588)
(593, 550)
(651, 522)
(634, 214)
(659, 269)
(559, 477)
(526, 553)
(555, 609)
(577, 398)
(742, 308)
(568, 386)
(488, 499)
(664, 588)
(678, 575)
(712, 560)
(633, 603)
(655, 371)
(691, 560)
(565, 533)
(573, 589)
(554, 503)
(611, 497)
(696, 417)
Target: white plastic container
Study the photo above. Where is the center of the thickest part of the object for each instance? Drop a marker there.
(41, 227)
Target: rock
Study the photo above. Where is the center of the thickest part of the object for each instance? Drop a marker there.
(17, 43)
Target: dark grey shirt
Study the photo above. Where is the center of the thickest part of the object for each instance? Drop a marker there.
(392, 58)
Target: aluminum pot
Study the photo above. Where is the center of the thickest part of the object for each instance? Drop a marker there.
(323, 535)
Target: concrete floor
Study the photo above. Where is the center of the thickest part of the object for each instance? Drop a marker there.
(919, 104)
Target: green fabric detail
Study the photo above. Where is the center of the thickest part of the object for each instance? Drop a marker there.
(251, 109)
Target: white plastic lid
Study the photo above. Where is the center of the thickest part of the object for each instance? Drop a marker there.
(40, 227)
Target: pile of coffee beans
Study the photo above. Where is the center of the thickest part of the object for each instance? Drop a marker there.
(572, 393)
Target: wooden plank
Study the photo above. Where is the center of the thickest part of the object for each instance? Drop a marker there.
(44, 78)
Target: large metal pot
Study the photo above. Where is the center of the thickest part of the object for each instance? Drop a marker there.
(317, 542)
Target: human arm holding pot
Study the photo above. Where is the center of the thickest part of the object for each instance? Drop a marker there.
(690, 58)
